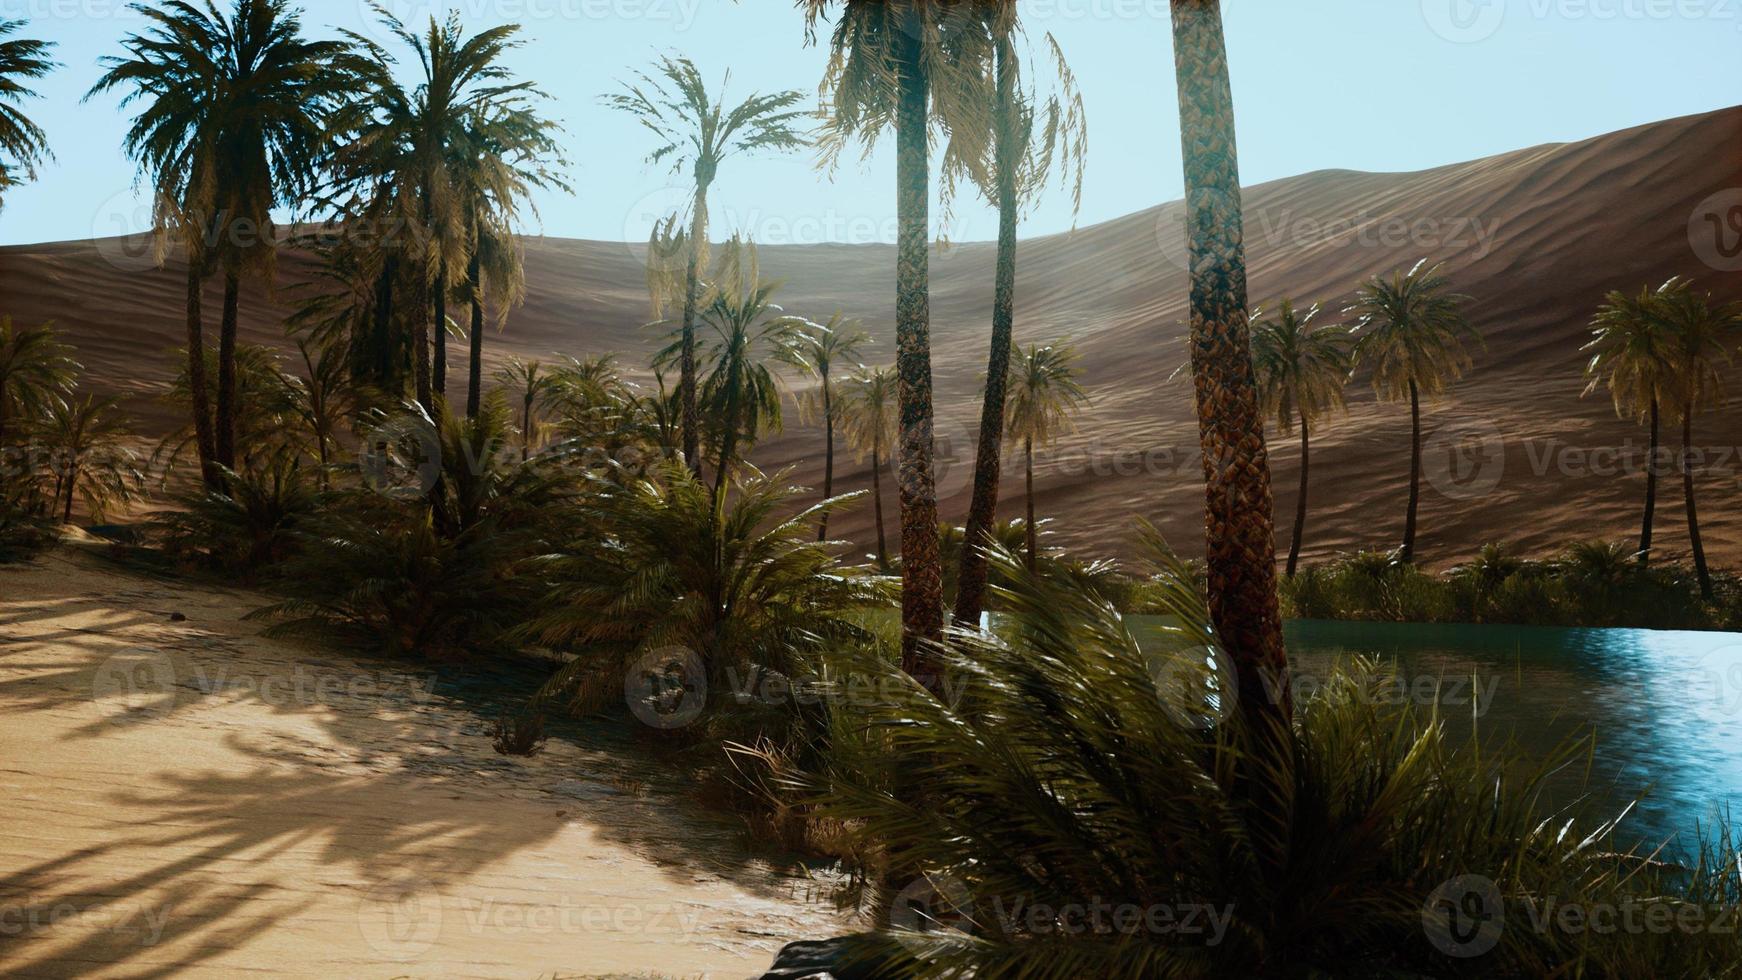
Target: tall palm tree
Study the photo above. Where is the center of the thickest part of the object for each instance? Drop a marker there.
(398, 161)
(816, 349)
(1032, 135)
(35, 371)
(697, 132)
(1411, 333)
(233, 125)
(905, 65)
(1630, 352)
(1302, 371)
(1244, 602)
(869, 412)
(1701, 333)
(23, 144)
(1044, 395)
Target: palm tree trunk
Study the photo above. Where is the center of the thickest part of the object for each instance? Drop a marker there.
(922, 585)
(1408, 551)
(475, 377)
(1032, 532)
(440, 381)
(226, 418)
(72, 487)
(1650, 488)
(1244, 603)
(198, 390)
(988, 457)
(877, 505)
(1300, 505)
(1700, 569)
(385, 374)
(420, 351)
(728, 444)
(691, 416)
(2, 419)
(828, 455)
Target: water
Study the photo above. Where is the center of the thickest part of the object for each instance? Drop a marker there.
(1665, 707)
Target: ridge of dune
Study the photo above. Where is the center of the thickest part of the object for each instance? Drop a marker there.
(1534, 236)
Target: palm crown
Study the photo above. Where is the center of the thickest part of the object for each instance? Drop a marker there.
(1411, 331)
(23, 144)
(1301, 368)
(1044, 392)
(1630, 350)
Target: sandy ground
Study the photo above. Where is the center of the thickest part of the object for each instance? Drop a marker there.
(186, 798)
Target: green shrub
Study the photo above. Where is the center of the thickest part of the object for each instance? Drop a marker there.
(248, 526)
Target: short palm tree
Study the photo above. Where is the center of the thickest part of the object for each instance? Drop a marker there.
(233, 125)
(1044, 395)
(1702, 332)
(532, 385)
(1239, 507)
(325, 400)
(1412, 335)
(904, 66)
(92, 460)
(697, 132)
(1630, 353)
(23, 144)
(1033, 134)
(35, 371)
(869, 415)
(818, 349)
(1302, 371)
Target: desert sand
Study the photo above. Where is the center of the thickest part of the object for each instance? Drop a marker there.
(1535, 237)
(187, 798)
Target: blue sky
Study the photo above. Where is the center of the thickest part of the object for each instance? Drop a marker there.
(1360, 84)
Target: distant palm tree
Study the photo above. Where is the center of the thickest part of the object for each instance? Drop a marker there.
(1244, 602)
(531, 383)
(36, 370)
(1630, 350)
(1302, 371)
(904, 65)
(869, 414)
(23, 144)
(326, 401)
(234, 125)
(1031, 136)
(1702, 332)
(1044, 395)
(817, 349)
(1411, 333)
(696, 132)
(91, 459)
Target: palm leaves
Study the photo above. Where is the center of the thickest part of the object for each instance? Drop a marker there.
(23, 144)
(86, 438)
(1630, 352)
(818, 349)
(1301, 371)
(1701, 332)
(1044, 395)
(36, 370)
(1412, 335)
(694, 130)
(870, 418)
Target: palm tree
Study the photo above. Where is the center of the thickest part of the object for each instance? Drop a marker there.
(532, 383)
(1030, 135)
(325, 400)
(23, 144)
(904, 65)
(1302, 371)
(1701, 332)
(698, 133)
(1244, 602)
(401, 149)
(1044, 394)
(868, 415)
(35, 371)
(1630, 352)
(816, 348)
(233, 125)
(1411, 333)
(91, 459)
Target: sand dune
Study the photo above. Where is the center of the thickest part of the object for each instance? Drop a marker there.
(1535, 237)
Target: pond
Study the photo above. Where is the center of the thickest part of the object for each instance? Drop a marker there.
(1665, 707)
